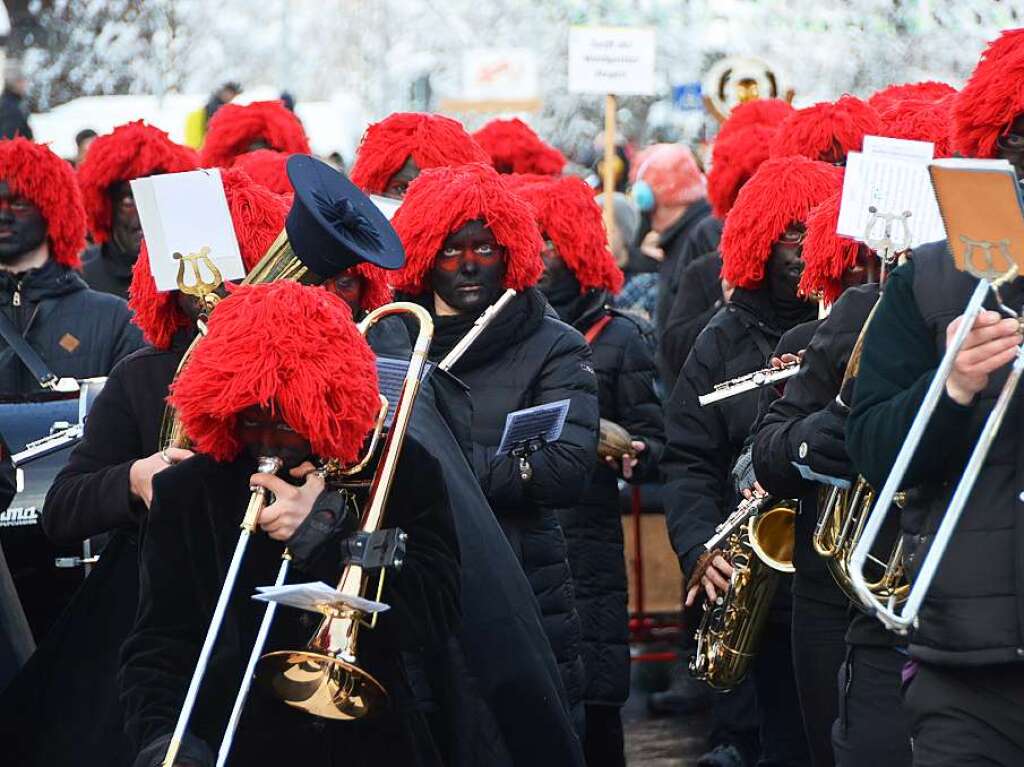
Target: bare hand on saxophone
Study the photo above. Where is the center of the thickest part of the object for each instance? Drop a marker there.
(292, 503)
(991, 344)
(714, 580)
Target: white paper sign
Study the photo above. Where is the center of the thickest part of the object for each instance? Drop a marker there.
(890, 175)
(183, 213)
(615, 60)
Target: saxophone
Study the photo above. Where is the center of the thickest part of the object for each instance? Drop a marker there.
(758, 543)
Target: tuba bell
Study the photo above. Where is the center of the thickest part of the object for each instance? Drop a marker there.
(758, 542)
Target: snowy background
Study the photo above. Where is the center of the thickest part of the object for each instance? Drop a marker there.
(348, 62)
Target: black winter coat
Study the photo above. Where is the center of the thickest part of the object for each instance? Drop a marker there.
(702, 239)
(107, 269)
(187, 541)
(974, 612)
(624, 365)
(79, 333)
(703, 443)
(672, 242)
(14, 116)
(777, 442)
(698, 298)
(78, 661)
(528, 357)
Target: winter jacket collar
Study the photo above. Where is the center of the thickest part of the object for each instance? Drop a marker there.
(758, 306)
(51, 280)
(584, 310)
(690, 216)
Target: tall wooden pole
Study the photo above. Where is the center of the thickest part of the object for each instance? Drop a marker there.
(609, 165)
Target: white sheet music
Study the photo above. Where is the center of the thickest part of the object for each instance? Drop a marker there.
(892, 176)
(313, 597)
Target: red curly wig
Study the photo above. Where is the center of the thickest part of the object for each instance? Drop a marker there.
(734, 159)
(258, 216)
(37, 174)
(432, 141)
(290, 348)
(442, 200)
(992, 99)
(233, 128)
(767, 112)
(267, 167)
(827, 130)
(514, 147)
(784, 190)
(132, 150)
(826, 254)
(927, 90)
(922, 120)
(568, 215)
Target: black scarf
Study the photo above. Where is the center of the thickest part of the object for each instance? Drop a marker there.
(518, 320)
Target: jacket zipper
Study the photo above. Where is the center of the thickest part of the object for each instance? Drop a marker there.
(16, 298)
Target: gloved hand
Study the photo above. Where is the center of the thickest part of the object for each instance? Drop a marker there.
(743, 472)
(819, 441)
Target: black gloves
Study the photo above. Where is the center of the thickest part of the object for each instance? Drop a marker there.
(819, 442)
(331, 518)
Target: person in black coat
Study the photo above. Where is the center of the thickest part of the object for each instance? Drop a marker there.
(133, 150)
(76, 332)
(524, 357)
(762, 256)
(238, 404)
(14, 110)
(579, 277)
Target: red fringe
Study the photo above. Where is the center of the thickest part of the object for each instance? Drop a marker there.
(734, 159)
(992, 98)
(431, 140)
(921, 120)
(36, 173)
(783, 191)
(570, 217)
(258, 216)
(826, 254)
(234, 127)
(514, 147)
(267, 167)
(768, 112)
(928, 90)
(816, 131)
(288, 347)
(132, 150)
(442, 200)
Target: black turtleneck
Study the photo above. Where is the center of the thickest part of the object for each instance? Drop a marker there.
(108, 269)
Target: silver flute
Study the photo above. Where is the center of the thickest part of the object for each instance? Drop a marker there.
(749, 382)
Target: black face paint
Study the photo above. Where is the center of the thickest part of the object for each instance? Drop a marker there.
(1010, 146)
(349, 287)
(398, 184)
(125, 226)
(558, 282)
(258, 143)
(264, 434)
(469, 270)
(786, 264)
(22, 226)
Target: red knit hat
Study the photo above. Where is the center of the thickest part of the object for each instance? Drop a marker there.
(569, 216)
(37, 174)
(827, 255)
(288, 347)
(432, 141)
(267, 167)
(441, 201)
(827, 130)
(922, 120)
(928, 90)
(784, 190)
(132, 150)
(258, 216)
(514, 147)
(992, 99)
(768, 112)
(734, 159)
(233, 128)
(672, 172)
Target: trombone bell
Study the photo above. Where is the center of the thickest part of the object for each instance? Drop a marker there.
(321, 684)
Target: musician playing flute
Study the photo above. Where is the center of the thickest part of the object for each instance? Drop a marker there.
(579, 278)
(262, 385)
(963, 688)
(761, 249)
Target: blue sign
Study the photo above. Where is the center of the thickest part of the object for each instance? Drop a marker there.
(687, 96)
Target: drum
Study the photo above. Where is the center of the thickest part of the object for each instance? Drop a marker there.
(38, 436)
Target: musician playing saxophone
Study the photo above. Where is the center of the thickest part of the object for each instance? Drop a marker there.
(262, 385)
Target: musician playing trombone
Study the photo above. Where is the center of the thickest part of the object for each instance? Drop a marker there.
(964, 684)
(262, 385)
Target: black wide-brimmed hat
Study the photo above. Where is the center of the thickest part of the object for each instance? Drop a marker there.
(332, 225)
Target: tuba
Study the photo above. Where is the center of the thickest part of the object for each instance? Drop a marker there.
(758, 542)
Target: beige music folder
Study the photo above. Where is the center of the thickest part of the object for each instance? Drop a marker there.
(982, 209)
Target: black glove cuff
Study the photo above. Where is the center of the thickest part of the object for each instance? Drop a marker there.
(329, 518)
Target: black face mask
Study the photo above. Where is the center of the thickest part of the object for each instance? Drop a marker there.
(1010, 146)
(786, 265)
(558, 283)
(22, 226)
(469, 271)
(125, 226)
(398, 184)
(264, 435)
